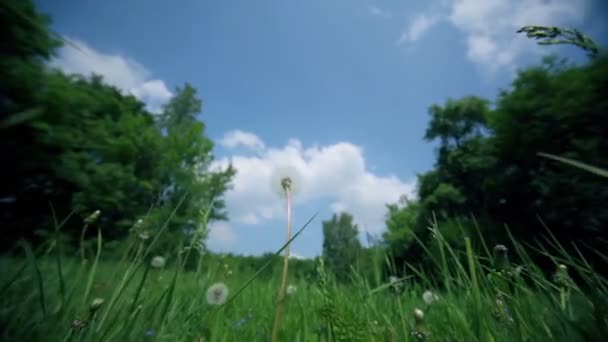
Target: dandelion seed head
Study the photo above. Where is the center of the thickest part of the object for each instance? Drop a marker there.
(418, 315)
(291, 289)
(217, 294)
(500, 250)
(286, 179)
(428, 297)
(158, 262)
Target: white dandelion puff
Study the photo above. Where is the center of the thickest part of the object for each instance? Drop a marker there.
(418, 315)
(291, 289)
(428, 297)
(286, 178)
(158, 262)
(217, 294)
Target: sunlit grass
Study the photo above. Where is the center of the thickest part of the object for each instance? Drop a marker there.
(52, 297)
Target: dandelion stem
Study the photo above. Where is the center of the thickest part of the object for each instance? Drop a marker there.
(281, 296)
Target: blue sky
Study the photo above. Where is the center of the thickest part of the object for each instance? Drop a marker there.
(335, 93)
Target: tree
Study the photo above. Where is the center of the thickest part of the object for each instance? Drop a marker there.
(340, 244)
(26, 44)
(488, 165)
(556, 109)
(185, 163)
(81, 145)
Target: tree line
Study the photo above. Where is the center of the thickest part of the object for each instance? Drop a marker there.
(74, 145)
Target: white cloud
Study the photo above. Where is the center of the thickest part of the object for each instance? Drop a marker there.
(376, 11)
(418, 26)
(221, 235)
(237, 138)
(119, 71)
(336, 172)
(293, 255)
(490, 25)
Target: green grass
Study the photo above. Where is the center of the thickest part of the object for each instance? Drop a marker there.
(47, 297)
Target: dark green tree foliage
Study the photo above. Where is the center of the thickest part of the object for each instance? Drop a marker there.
(340, 245)
(91, 147)
(561, 110)
(487, 164)
(184, 166)
(25, 43)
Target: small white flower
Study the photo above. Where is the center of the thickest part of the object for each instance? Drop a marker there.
(93, 217)
(143, 235)
(96, 304)
(291, 289)
(217, 294)
(138, 224)
(429, 297)
(158, 262)
(418, 315)
(392, 279)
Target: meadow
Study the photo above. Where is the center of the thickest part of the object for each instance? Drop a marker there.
(514, 251)
(56, 295)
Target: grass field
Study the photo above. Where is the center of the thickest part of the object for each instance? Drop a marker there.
(51, 296)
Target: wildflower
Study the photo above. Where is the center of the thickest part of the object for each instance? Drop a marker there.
(138, 223)
(291, 289)
(395, 284)
(96, 304)
(93, 217)
(217, 294)
(418, 316)
(78, 324)
(501, 311)
(284, 179)
(418, 331)
(561, 276)
(158, 262)
(500, 257)
(428, 297)
(519, 270)
(143, 235)
(244, 320)
(149, 333)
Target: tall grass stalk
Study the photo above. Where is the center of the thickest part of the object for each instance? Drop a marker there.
(286, 185)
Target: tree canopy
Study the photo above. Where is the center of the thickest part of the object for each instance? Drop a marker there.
(488, 167)
(74, 143)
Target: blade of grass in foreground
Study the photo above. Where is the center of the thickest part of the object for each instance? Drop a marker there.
(589, 168)
(38, 274)
(270, 260)
(93, 270)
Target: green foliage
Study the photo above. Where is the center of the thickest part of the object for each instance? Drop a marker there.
(81, 145)
(133, 300)
(488, 166)
(340, 245)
